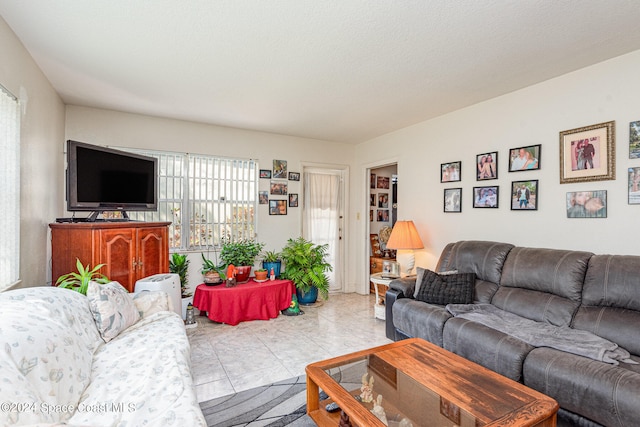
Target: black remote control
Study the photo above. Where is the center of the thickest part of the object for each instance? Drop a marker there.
(332, 407)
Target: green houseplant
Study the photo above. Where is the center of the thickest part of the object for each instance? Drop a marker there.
(179, 264)
(271, 260)
(79, 281)
(212, 273)
(242, 254)
(305, 264)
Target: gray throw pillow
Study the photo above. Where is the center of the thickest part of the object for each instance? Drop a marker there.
(420, 275)
(443, 289)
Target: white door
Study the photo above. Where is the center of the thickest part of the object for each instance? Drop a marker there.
(322, 221)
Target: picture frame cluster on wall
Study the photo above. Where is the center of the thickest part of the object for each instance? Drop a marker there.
(279, 177)
(379, 201)
(586, 154)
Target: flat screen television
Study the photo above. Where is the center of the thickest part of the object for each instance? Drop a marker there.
(103, 179)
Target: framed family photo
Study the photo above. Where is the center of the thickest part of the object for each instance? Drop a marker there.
(265, 173)
(277, 207)
(263, 197)
(524, 195)
(524, 158)
(450, 172)
(294, 176)
(278, 188)
(280, 169)
(588, 153)
(587, 204)
(485, 197)
(382, 182)
(452, 200)
(293, 200)
(487, 166)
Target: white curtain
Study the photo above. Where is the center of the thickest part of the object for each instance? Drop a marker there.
(10, 189)
(321, 223)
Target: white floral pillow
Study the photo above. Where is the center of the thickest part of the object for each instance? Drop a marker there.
(112, 307)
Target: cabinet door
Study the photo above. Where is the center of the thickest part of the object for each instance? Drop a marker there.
(153, 251)
(118, 253)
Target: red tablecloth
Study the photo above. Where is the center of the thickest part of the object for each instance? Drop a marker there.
(247, 301)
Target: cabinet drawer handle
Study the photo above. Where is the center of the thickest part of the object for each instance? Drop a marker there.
(134, 264)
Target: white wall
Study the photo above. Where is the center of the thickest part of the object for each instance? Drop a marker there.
(534, 115)
(105, 127)
(42, 129)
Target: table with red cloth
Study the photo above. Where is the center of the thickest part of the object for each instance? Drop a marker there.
(246, 301)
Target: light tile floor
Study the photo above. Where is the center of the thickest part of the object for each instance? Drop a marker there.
(228, 359)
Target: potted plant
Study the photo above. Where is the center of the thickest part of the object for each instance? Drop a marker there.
(179, 264)
(271, 260)
(305, 264)
(79, 281)
(213, 275)
(241, 254)
(261, 274)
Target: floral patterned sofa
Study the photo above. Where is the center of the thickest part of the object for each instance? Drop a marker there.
(106, 359)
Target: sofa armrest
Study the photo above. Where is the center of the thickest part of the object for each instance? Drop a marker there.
(149, 302)
(399, 288)
(406, 286)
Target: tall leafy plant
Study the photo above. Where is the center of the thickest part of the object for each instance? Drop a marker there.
(79, 281)
(241, 252)
(179, 264)
(305, 264)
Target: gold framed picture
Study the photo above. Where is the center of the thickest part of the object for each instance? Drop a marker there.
(588, 153)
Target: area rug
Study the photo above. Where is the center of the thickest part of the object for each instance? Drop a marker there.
(275, 405)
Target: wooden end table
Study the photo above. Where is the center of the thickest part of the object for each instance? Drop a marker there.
(424, 384)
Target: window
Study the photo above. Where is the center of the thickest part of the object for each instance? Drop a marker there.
(10, 189)
(206, 198)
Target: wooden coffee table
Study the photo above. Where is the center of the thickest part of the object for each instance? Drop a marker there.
(424, 384)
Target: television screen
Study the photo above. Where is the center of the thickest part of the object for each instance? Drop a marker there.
(103, 179)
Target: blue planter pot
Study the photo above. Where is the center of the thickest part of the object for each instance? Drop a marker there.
(275, 265)
(307, 298)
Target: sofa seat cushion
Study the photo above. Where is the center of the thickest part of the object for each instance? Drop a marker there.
(599, 391)
(47, 340)
(485, 346)
(144, 377)
(420, 320)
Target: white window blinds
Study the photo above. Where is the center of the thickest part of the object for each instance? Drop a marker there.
(10, 189)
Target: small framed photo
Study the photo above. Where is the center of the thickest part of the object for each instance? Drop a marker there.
(278, 188)
(383, 200)
(634, 186)
(634, 140)
(588, 153)
(294, 176)
(293, 200)
(265, 173)
(587, 204)
(383, 215)
(524, 158)
(372, 200)
(450, 172)
(524, 195)
(371, 215)
(487, 166)
(485, 197)
(280, 169)
(452, 200)
(372, 183)
(263, 197)
(277, 207)
(383, 182)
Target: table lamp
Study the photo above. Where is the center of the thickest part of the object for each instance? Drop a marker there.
(405, 239)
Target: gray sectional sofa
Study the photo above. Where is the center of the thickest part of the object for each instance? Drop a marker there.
(567, 291)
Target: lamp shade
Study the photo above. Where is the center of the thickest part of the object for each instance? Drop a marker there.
(404, 236)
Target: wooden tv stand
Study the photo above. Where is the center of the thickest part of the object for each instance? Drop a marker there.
(130, 250)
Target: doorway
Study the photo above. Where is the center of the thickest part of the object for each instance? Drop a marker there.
(323, 216)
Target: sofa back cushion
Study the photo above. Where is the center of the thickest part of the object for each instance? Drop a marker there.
(47, 341)
(611, 300)
(544, 285)
(485, 259)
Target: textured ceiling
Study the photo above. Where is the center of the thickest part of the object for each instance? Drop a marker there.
(339, 70)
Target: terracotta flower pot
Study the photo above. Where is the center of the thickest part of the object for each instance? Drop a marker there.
(261, 275)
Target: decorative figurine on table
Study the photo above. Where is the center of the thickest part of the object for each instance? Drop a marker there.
(367, 389)
(378, 410)
(272, 275)
(231, 276)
